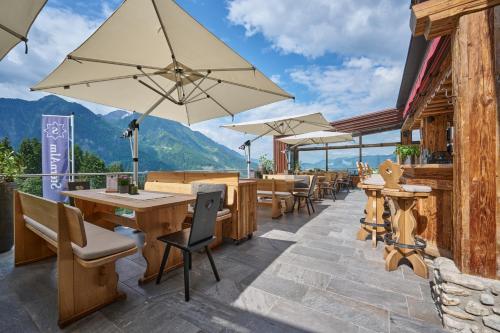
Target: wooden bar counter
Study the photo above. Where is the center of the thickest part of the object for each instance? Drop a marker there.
(434, 214)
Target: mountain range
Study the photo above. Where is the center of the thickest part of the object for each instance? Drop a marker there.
(163, 144)
(348, 162)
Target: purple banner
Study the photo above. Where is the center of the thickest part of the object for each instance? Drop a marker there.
(55, 155)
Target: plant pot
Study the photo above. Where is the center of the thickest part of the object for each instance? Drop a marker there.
(7, 216)
(122, 188)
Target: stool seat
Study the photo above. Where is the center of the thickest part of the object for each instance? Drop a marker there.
(416, 188)
(374, 180)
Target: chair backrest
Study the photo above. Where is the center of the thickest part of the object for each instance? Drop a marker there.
(313, 185)
(391, 172)
(51, 215)
(205, 214)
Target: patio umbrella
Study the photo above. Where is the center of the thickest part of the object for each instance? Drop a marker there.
(16, 18)
(299, 124)
(320, 137)
(150, 56)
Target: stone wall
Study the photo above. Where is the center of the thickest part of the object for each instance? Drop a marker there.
(466, 303)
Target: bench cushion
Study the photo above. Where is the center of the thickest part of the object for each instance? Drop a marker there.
(270, 193)
(100, 242)
(416, 188)
(220, 213)
(208, 187)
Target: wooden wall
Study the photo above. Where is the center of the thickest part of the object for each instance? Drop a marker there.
(476, 151)
(280, 158)
(433, 132)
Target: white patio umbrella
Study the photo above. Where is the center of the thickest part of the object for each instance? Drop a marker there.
(16, 18)
(151, 56)
(320, 137)
(299, 124)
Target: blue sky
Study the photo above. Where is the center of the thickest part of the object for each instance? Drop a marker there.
(339, 57)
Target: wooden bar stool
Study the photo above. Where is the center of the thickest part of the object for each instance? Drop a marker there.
(402, 242)
(373, 223)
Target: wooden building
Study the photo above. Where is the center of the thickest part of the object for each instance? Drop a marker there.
(449, 93)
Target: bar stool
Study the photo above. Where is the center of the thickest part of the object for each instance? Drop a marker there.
(402, 242)
(373, 224)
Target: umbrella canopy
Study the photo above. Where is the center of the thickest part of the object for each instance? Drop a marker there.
(299, 124)
(16, 18)
(320, 137)
(150, 56)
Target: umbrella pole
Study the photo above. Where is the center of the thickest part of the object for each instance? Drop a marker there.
(135, 155)
(248, 162)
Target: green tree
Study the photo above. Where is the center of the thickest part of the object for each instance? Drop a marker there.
(30, 153)
(115, 167)
(5, 145)
(87, 162)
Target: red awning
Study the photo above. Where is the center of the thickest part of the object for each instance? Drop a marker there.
(420, 82)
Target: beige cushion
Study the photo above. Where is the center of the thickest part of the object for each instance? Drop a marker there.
(416, 188)
(220, 213)
(270, 193)
(100, 242)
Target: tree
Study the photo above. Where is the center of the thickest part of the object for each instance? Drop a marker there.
(87, 162)
(5, 145)
(30, 153)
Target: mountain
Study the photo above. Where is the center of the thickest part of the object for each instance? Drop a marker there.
(348, 162)
(163, 144)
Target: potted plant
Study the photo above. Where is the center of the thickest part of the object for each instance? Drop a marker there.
(123, 184)
(266, 165)
(10, 167)
(405, 151)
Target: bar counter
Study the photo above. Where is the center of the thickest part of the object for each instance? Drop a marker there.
(434, 214)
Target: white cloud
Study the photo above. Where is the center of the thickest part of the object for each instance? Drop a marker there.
(358, 85)
(55, 33)
(312, 28)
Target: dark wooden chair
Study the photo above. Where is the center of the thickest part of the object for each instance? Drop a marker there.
(77, 186)
(329, 187)
(199, 236)
(307, 196)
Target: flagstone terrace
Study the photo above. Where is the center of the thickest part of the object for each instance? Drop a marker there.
(297, 274)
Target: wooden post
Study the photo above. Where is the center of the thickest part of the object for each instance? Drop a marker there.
(476, 145)
(361, 148)
(406, 137)
(326, 157)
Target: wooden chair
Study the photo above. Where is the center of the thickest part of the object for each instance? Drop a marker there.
(199, 236)
(329, 187)
(306, 196)
(402, 242)
(86, 254)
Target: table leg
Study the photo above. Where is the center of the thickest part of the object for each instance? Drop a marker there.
(154, 224)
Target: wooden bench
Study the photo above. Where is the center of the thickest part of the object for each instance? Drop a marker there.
(272, 192)
(237, 221)
(86, 253)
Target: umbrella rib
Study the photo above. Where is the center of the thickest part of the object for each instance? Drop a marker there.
(187, 115)
(159, 92)
(210, 97)
(250, 87)
(192, 91)
(195, 100)
(13, 33)
(114, 78)
(201, 93)
(176, 65)
(219, 70)
(110, 62)
(151, 79)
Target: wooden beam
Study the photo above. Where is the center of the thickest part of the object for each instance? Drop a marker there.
(435, 18)
(475, 164)
(364, 145)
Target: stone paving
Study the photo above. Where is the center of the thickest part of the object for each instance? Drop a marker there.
(298, 274)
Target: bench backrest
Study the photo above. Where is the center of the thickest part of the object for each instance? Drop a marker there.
(274, 185)
(52, 215)
(180, 182)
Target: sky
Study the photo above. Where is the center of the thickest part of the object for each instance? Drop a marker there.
(338, 57)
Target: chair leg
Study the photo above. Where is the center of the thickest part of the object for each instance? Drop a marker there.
(185, 255)
(163, 262)
(190, 261)
(312, 206)
(212, 263)
(307, 204)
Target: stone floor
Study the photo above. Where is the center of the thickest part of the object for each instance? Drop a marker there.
(298, 274)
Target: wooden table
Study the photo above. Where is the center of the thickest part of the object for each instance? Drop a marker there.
(155, 217)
